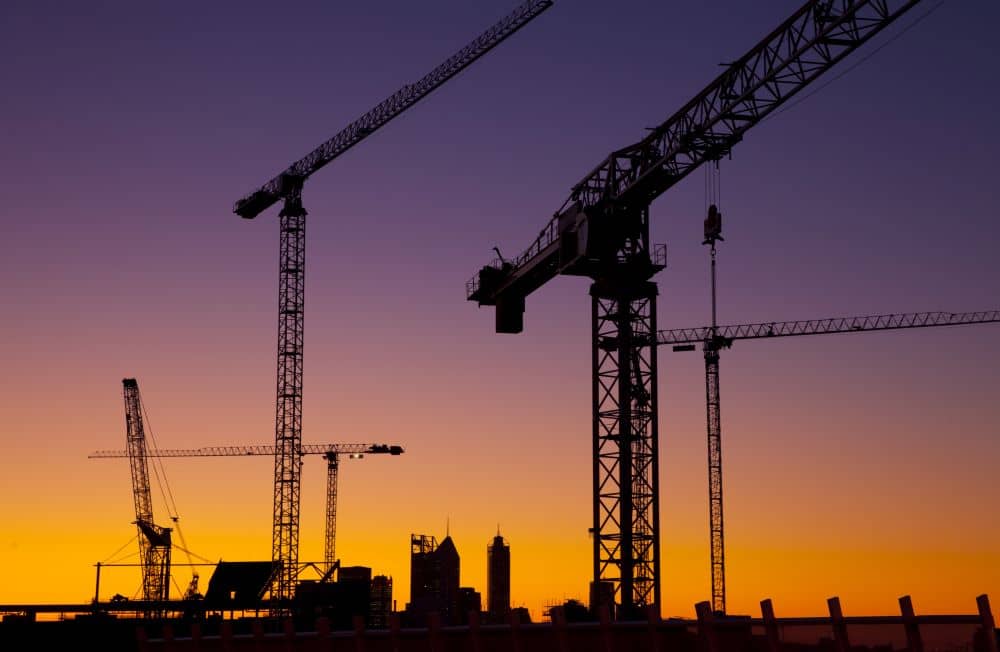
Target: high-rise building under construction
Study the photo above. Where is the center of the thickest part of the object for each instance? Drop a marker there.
(498, 579)
(434, 582)
(381, 602)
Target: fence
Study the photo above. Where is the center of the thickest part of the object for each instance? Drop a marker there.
(709, 633)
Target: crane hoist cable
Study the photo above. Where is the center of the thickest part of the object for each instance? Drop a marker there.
(160, 473)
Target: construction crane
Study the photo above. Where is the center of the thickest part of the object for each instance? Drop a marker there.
(330, 452)
(602, 232)
(154, 540)
(715, 338)
(286, 187)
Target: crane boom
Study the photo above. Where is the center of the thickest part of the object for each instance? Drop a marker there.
(287, 187)
(154, 541)
(715, 338)
(808, 43)
(261, 449)
(682, 336)
(602, 232)
(279, 187)
(331, 452)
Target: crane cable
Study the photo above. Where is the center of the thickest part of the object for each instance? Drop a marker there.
(160, 473)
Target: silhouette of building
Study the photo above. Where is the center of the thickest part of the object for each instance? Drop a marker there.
(469, 599)
(434, 583)
(355, 584)
(498, 579)
(381, 602)
(602, 594)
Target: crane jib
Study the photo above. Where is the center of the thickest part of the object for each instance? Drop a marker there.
(271, 192)
(808, 43)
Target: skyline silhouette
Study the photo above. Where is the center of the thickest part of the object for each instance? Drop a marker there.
(857, 467)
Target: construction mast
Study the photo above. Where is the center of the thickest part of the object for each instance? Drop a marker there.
(602, 232)
(154, 541)
(713, 234)
(330, 452)
(715, 338)
(286, 187)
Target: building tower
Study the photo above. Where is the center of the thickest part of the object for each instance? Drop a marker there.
(381, 602)
(434, 579)
(498, 579)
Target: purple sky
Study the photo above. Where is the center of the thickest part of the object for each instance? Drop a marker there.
(127, 131)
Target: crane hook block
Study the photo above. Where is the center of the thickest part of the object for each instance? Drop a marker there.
(713, 225)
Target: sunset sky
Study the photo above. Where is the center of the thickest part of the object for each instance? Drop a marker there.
(862, 465)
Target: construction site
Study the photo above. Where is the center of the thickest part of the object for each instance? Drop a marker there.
(536, 463)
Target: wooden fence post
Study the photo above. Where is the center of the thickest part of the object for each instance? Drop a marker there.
(515, 631)
(839, 628)
(914, 641)
(257, 629)
(289, 630)
(196, 636)
(434, 631)
(323, 640)
(706, 626)
(168, 637)
(989, 626)
(559, 628)
(475, 642)
(771, 629)
(653, 621)
(607, 634)
(359, 633)
(394, 627)
(226, 635)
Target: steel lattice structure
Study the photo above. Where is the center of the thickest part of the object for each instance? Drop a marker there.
(281, 185)
(715, 518)
(288, 419)
(261, 449)
(154, 541)
(331, 452)
(715, 338)
(287, 187)
(330, 532)
(602, 229)
(626, 536)
(681, 336)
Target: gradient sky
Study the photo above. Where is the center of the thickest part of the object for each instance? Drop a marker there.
(862, 466)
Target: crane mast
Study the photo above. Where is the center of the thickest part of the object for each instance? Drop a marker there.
(602, 232)
(287, 188)
(154, 541)
(330, 534)
(715, 338)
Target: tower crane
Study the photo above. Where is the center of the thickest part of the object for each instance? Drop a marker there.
(286, 187)
(602, 232)
(154, 540)
(715, 338)
(330, 452)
